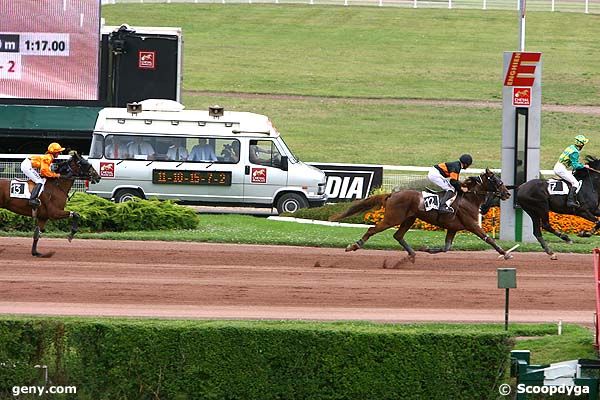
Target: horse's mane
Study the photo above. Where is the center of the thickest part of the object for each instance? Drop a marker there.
(592, 161)
(470, 182)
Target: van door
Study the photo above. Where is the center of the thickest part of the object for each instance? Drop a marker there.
(263, 174)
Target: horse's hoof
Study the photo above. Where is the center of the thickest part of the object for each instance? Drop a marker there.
(411, 258)
(70, 238)
(554, 257)
(352, 247)
(507, 256)
(36, 254)
(569, 241)
(584, 234)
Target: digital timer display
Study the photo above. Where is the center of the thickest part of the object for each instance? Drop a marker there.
(49, 50)
(169, 176)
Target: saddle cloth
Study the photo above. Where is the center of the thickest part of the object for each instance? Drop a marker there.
(559, 187)
(431, 201)
(20, 189)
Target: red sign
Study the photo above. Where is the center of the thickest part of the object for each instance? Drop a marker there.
(521, 69)
(146, 59)
(521, 96)
(259, 175)
(107, 169)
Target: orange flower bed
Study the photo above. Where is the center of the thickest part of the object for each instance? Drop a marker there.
(491, 222)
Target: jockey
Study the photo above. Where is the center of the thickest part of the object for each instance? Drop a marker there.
(446, 176)
(570, 159)
(29, 165)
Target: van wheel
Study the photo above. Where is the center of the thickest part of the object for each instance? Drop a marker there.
(123, 195)
(290, 203)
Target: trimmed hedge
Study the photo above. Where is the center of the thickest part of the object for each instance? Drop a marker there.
(99, 214)
(117, 359)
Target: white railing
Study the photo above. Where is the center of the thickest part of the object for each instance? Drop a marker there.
(582, 6)
(10, 168)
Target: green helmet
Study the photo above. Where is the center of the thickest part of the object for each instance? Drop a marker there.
(580, 139)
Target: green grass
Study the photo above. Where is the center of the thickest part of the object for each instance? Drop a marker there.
(392, 134)
(255, 230)
(372, 51)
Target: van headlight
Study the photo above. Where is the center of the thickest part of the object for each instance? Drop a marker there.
(321, 188)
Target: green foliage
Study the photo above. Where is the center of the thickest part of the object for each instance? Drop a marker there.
(98, 214)
(118, 359)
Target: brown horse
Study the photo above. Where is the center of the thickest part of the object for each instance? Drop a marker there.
(404, 207)
(53, 198)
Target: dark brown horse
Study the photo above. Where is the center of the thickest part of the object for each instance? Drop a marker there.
(53, 198)
(404, 207)
(537, 202)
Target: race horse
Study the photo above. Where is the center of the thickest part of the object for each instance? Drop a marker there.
(402, 208)
(535, 199)
(53, 198)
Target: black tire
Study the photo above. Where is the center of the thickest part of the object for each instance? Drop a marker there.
(291, 202)
(123, 195)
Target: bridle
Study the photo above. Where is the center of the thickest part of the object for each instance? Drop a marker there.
(491, 188)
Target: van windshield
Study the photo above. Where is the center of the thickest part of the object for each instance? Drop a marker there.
(292, 158)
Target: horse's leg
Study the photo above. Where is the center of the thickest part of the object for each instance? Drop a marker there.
(74, 224)
(399, 236)
(547, 227)
(37, 233)
(537, 232)
(450, 234)
(380, 226)
(483, 236)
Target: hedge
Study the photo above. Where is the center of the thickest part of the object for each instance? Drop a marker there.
(98, 214)
(149, 359)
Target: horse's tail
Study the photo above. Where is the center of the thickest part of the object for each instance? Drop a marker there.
(362, 205)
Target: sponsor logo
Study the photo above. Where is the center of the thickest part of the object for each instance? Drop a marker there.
(521, 69)
(259, 175)
(521, 97)
(146, 59)
(107, 170)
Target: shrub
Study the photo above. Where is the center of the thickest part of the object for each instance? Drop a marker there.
(98, 214)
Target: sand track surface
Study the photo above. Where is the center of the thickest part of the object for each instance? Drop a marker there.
(203, 280)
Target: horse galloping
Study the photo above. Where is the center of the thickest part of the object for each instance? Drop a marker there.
(53, 198)
(535, 199)
(402, 208)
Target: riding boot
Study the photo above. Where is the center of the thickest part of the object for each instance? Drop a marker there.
(33, 200)
(572, 198)
(444, 208)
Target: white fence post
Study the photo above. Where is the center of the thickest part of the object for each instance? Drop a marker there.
(414, 3)
(449, 4)
(587, 6)
(345, 2)
(380, 3)
(553, 5)
(485, 4)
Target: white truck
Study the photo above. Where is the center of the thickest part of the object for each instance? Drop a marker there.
(156, 149)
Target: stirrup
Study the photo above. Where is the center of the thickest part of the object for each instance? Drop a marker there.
(446, 210)
(35, 203)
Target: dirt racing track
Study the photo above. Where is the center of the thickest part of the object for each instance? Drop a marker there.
(200, 280)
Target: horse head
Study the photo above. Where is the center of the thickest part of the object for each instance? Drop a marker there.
(489, 184)
(78, 167)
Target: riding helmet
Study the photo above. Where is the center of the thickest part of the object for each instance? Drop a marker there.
(55, 148)
(580, 139)
(466, 159)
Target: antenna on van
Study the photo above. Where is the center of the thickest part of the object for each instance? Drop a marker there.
(216, 111)
(134, 108)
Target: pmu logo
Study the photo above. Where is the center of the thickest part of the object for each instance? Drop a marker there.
(521, 69)
(521, 97)
(146, 59)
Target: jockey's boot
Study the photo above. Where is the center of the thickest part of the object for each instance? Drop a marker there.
(33, 200)
(572, 198)
(444, 208)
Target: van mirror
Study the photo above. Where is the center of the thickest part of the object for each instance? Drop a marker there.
(284, 163)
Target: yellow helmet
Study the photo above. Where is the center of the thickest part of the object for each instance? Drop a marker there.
(580, 139)
(55, 148)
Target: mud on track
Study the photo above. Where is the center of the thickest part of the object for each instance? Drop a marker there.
(199, 280)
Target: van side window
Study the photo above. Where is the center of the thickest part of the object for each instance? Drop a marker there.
(264, 152)
(115, 147)
(215, 150)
